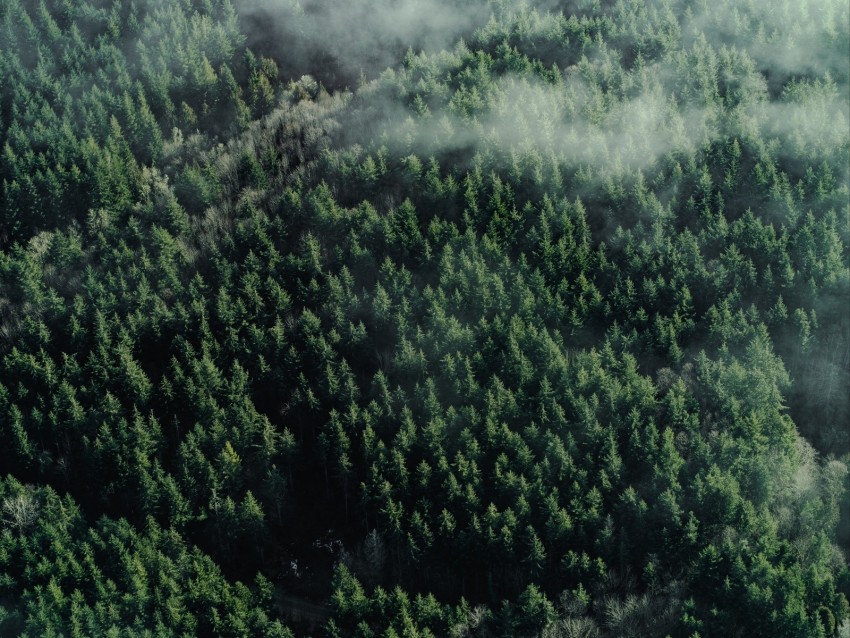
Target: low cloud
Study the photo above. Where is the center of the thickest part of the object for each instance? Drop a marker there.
(341, 41)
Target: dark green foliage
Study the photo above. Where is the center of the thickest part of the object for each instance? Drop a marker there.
(542, 334)
(96, 91)
(109, 579)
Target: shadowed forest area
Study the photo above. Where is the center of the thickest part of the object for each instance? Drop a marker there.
(412, 319)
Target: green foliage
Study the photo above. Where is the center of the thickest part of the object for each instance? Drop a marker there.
(108, 578)
(93, 91)
(542, 334)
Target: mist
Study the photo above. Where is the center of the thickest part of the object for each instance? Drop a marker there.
(790, 37)
(658, 83)
(349, 44)
(342, 43)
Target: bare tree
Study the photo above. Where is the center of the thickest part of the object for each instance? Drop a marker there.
(20, 510)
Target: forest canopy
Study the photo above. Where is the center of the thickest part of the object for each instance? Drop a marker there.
(392, 318)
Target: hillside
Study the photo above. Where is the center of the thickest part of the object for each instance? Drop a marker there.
(398, 318)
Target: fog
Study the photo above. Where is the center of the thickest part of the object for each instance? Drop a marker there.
(348, 44)
(342, 42)
(791, 36)
(662, 110)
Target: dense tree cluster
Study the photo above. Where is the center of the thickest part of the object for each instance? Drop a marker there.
(93, 91)
(542, 334)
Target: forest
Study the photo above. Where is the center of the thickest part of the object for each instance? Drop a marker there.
(424, 318)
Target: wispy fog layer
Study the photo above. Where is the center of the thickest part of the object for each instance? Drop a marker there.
(714, 88)
(791, 36)
(341, 41)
